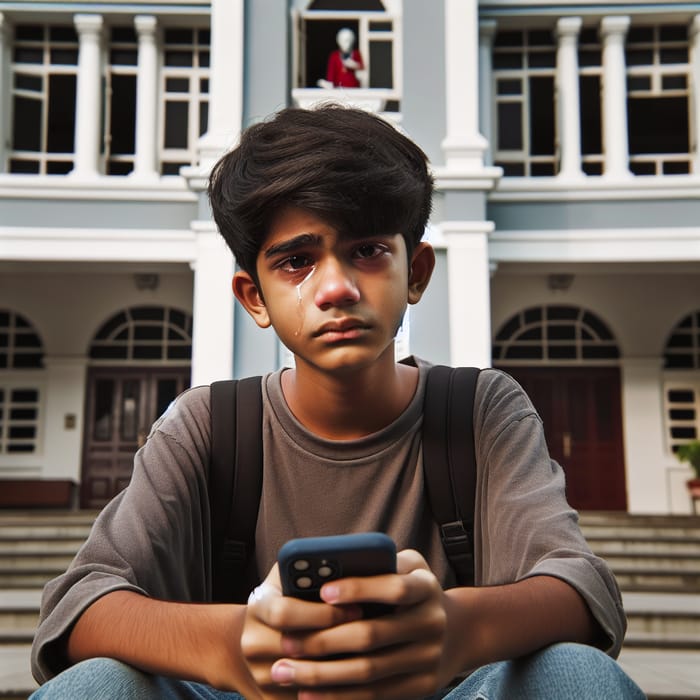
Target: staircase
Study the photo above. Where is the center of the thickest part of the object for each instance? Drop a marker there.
(656, 560)
(34, 547)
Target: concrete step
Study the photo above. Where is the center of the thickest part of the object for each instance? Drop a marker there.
(674, 546)
(16, 682)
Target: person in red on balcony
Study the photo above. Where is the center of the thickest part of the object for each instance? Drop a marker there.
(343, 62)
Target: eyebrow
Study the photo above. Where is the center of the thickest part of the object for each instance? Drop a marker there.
(301, 241)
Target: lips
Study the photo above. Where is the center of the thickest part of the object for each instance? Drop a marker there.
(344, 329)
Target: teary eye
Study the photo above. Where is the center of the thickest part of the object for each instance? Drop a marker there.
(296, 262)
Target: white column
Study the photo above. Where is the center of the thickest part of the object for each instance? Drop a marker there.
(226, 80)
(567, 99)
(64, 419)
(212, 333)
(647, 486)
(468, 284)
(145, 165)
(88, 103)
(487, 30)
(463, 145)
(694, 36)
(4, 89)
(613, 31)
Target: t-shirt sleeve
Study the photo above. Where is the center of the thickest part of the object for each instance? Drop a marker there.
(152, 538)
(524, 525)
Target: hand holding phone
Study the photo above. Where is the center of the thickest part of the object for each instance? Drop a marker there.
(305, 564)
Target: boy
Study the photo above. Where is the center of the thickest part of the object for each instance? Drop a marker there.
(324, 211)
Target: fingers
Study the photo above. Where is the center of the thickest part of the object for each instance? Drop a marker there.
(376, 676)
(414, 584)
(280, 612)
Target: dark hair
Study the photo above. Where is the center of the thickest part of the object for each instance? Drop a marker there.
(350, 168)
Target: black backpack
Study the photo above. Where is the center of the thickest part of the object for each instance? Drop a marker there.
(235, 478)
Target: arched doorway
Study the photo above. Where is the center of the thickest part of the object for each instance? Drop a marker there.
(140, 361)
(566, 359)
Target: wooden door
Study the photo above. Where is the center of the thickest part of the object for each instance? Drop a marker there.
(582, 413)
(121, 407)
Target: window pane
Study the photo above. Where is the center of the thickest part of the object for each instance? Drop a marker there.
(177, 85)
(203, 117)
(130, 410)
(24, 54)
(29, 32)
(182, 59)
(35, 83)
(26, 127)
(381, 60)
(123, 57)
(591, 123)
(176, 124)
(510, 126)
(64, 57)
(123, 114)
(658, 125)
(542, 116)
(61, 126)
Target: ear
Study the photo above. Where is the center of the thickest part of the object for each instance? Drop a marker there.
(247, 293)
(420, 271)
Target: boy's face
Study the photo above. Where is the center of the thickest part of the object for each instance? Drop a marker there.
(336, 302)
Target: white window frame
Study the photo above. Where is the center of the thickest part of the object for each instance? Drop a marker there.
(681, 381)
(392, 13)
(656, 72)
(44, 71)
(12, 380)
(111, 69)
(194, 97)
(522, 156)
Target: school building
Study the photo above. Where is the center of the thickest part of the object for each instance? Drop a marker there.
(564, 140)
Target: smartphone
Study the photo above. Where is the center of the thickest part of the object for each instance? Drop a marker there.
(307, 563)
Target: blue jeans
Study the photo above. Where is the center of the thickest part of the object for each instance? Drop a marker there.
(560, 671)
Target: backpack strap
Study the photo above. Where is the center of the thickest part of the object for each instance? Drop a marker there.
(235, 484)
(449, 461)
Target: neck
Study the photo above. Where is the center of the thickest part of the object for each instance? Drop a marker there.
(351, 405)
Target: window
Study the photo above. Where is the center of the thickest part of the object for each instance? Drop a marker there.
(683, 345)
(185, 96)
(658, 78)
(19, 419)
(120, 101)
(20, 345)
(20, 349)
(682, 409)
(546, 334)
(682, 381)
(377, 37)
(590, 54)
(145, 334)
(43, 85)
(524, 65)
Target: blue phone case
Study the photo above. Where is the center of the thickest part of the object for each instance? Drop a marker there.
(307, 563)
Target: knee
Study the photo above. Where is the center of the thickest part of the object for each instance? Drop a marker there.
(582, 671)
(96, 678)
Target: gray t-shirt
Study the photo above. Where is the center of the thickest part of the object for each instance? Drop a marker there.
(154, 538)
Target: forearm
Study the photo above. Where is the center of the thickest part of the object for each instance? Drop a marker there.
(188, 641)
(489, 624)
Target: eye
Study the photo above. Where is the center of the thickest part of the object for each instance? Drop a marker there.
(369, 250)
(295, 262)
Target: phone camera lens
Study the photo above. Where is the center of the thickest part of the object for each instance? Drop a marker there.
(325, 569)
(301, 565)
(304, 582)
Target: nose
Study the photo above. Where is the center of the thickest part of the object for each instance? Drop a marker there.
(335, 286)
